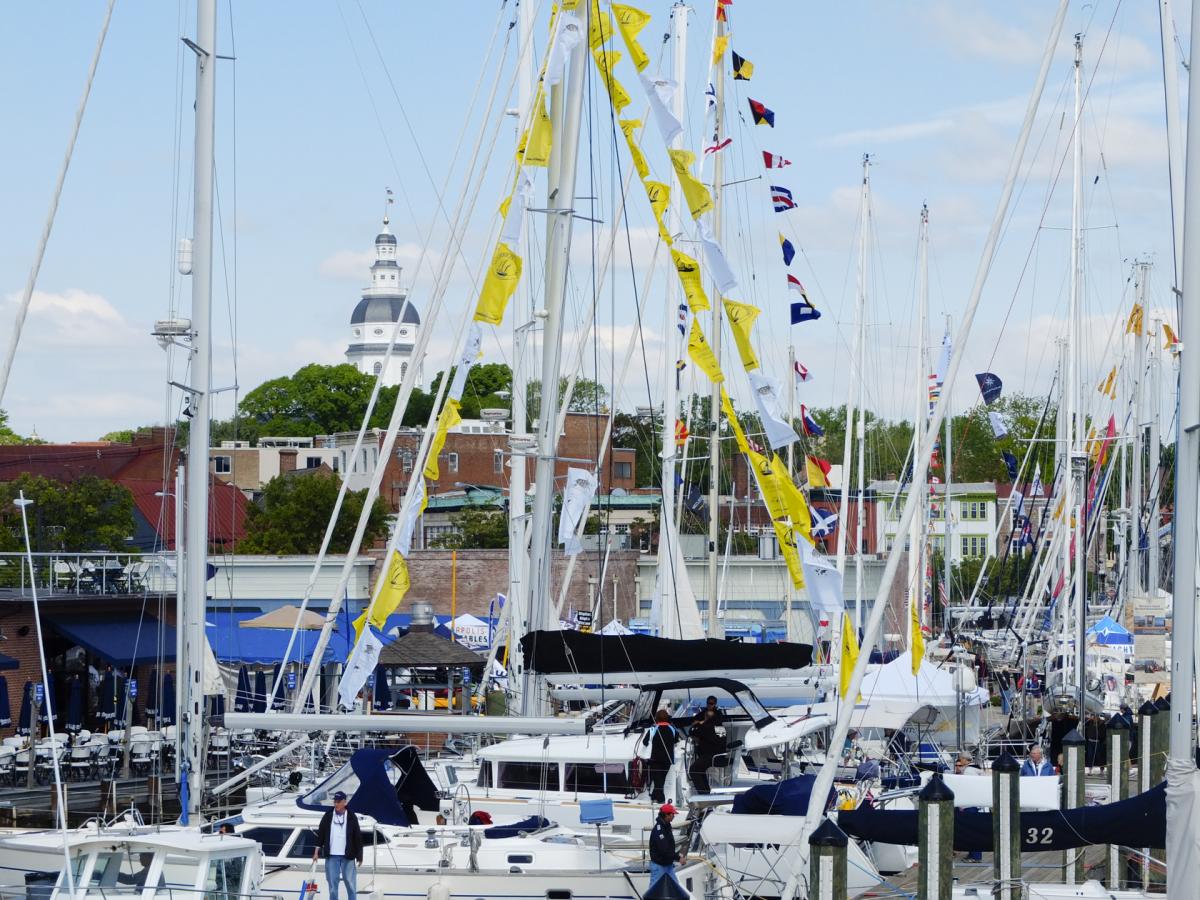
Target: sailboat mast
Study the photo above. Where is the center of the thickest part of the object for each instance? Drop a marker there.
(1136, 557)
(947, 506)
(561, 205)
(190, 662)
(1170, 65)
(790, 595)
(860, 511)
(916, 534)
(1076, 504)
(714, 445)
(1153, 482)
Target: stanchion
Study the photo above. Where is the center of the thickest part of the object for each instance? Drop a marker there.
(1073, 746)
(935, 840)
(827, 862)
(1147, 713)
(1118, 789)
(1006, 827)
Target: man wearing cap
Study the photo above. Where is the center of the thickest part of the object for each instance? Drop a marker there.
(340, 839)
(662, 847)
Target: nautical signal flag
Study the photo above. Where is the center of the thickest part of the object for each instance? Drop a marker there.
(761, 115)
(1108, 387)
(802, 309)
(808, 424)
(717, 146)
(1010, 463)
(1136, 320)
(781, 197)
(823, 521)
(723, 16)
(774, 161)
(990, 386)
(743, 69)
(801, 372)
(789, 252)
(817, 470)
(1171, 341)
(681, 432)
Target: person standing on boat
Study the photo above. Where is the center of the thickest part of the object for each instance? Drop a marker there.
(662, 739)
(662, 847)
(706, 745)
(1036, 765)
(340, 839)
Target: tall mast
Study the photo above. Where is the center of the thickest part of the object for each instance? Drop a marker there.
(916, 534)
(1075, 475)
(790, 595)
(563, 165)
(1166, 24)
(668, 533)
(1136, 557)
(714, 444)
(947, 506)
(1181, 746)
(860, 512)
(1154, 483)
(192, 638)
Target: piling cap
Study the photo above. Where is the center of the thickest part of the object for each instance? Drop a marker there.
(936, 790)
(1163, 704)
(1117, 723)
(828, 835)
(1073, 738)
(1147, 709)
(1006, 763)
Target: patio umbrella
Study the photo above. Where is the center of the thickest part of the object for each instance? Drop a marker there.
(120, 686)
(75, 705)
(48, 698)
(107, 705)
(243, 698)
(152, 694)
(23, 720)
(383, 692)
(5, 712)
(260, 691)
(279, 691)
(167, 712)
(288, 617)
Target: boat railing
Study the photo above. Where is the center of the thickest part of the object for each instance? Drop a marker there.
(162, 892)
(98, 572)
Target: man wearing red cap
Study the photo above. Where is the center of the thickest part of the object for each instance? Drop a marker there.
(662, 847)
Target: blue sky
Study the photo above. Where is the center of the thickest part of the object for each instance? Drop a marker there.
(310, 133)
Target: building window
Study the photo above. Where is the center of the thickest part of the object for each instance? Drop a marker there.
(406, 460)
(973, 545)
(623, 470)
(222, 465)
(312, 462)
(976, 510)
(498, 461)
(452, 461)
(377, 368)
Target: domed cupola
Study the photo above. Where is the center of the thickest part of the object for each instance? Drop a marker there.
(375, 316)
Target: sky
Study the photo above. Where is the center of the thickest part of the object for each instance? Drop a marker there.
(328, 104)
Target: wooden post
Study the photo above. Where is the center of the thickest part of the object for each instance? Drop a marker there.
(1160, 727)
(1073, 746)
(827, 862)
(935, 840)
(1006, 827)
(154, 789)
(1118, 789)
(1147, 713)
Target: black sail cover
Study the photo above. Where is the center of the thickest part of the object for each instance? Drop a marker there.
(1140, 821)
(580, 652)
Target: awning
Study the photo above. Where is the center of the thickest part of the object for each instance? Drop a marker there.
(128, 640)
(7, 662)
(266, 646)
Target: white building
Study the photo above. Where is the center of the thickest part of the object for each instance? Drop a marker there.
(375, 317)
(971, 513)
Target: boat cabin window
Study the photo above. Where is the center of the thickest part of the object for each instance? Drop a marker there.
(272, 839)
(520, 858)
(304, 845)
(121, 869)
(596, 778)
(223, 881)
(179, 872)
(529, 776)
(484, 776)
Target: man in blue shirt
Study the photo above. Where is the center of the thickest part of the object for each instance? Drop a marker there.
(1036, 765)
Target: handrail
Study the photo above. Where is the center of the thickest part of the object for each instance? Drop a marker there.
(88, 572)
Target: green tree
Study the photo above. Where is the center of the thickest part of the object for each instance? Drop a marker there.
(588, 396)
(488, 385)
(294, 510)
(315, 400)
(81, 516)
(475, 529)
(9, 437)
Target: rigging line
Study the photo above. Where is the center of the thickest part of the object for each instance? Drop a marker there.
(48, 226)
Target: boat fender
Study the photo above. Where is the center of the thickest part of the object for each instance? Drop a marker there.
(439, 890)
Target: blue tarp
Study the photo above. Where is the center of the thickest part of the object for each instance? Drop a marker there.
(377, 797)
(785, 798)
(265, 646)
(1108, 631)
(120, 640)
(533, 823)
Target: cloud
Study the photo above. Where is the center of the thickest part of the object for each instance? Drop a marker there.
(890, 134)
(971, 33)
(347, 265)
(74, 318)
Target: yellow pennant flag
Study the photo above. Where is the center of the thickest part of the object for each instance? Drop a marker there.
(793, 500)
(1108, 387)
(1058, 510)
(720, 45)
(699, 200)
(449, 417)
(689, 277)
(849, 654)
(702, 354)
(1136, 320)
(629, 126)
(768, 485)
(630, 22)
(659, 195)
(606, 62)
(534, 147)
(787, 546)
(498, 285)
(390, 595)
(741, 320)
(731, 415)
(599, 28)
(916, 641)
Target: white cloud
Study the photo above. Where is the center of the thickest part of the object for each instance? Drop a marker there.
(348, 265)
(890, 134)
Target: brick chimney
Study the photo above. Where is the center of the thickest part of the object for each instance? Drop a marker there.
(287, 459)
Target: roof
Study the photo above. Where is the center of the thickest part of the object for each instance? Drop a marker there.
(122, 640)
(265, 646)
(423, 648)
(384, 309)
(957, 489)
(102, 459)
(227, 507)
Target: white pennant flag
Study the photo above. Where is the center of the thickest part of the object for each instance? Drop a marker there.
(660, 92)
(766, 396)
(943, 363)
(566, 39)
(999, 429)
(577, 500)
(718, 265)
(823, 581)
(511, 232)
(471, 351)
(1017, 500)
(410, 514)
(359, 666)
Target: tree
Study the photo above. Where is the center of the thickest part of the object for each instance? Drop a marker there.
(588, 396)
(9, 437)
(315, 400)
(294, 510)
(85, 515)
(488, 385)
(475, 529)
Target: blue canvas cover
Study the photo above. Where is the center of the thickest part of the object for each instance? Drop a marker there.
(380, 783)
(533, 823)
(785, 798)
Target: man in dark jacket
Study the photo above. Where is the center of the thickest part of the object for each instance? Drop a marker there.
(706, 744)
(662, 754)
(339, 839)
(662, 847)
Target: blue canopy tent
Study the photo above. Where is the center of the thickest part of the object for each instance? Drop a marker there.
(243, 698)
(266, 646)
(1109, 632)
(74, 722)
(5, 711)
(260, 691)
(24, 720)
